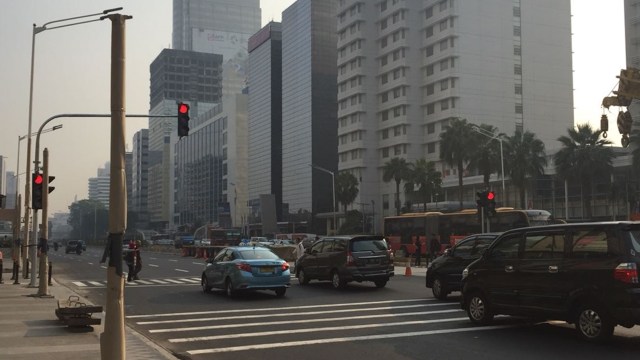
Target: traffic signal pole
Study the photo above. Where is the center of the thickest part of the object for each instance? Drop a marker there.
(112, 340)
(43, 286)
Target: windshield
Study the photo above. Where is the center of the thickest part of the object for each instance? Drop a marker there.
(369, 245)
(254, 254)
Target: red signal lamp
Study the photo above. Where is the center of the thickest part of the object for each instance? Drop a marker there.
(38, 179)
(491, 195)
(183, 108)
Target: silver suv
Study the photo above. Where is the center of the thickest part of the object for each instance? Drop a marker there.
(342, 259)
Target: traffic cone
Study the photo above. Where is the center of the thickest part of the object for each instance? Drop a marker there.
(407, 270)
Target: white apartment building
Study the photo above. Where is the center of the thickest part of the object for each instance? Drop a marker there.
(406, 67)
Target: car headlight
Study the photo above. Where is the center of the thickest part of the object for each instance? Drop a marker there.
(465, 273)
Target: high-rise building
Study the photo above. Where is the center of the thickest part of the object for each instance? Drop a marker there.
(405, 68)
(265, 117)
(141, 160)
(99, 185)
(309, 107)
(218, 27)
(632, 32)
(11, 179)
(176, 76)
(216, 161)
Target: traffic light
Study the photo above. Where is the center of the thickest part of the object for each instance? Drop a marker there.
(183, 119)
(36, 190)
(482, 199)
(491, 203)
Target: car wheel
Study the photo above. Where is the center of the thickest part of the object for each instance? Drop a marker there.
(336, 280)
(302, 277)
(478, 309)
(206, 288)
(228, 288)
(381, 283)
(593, 323)
(439, 289)
(281, 291)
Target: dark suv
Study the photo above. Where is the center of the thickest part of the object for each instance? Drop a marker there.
(584, 273)
(72, 246)
(342, 259)
(444, 274)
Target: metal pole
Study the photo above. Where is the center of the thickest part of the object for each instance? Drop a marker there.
(333, 184)
(43, 289)
(112, 341)
(27, 189)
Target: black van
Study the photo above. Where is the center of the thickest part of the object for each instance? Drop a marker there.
(342, 259)
(585, 273)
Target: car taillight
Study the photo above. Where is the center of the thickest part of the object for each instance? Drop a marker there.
(350, 261)
(285, 266)
(627, 273)
(244, 267)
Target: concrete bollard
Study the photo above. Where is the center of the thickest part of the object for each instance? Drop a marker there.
(50, 266)
(16, 273)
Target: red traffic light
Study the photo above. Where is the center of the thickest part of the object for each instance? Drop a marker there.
(38, 179)
(491, 195)
(183, 108)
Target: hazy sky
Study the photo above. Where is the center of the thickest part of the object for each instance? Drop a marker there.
(72, 75)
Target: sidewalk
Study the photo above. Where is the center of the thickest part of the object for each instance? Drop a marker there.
(29, 328)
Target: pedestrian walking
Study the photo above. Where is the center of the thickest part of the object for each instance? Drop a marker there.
(130, 260)
(416, 242)
(138, 260)
(434, 247)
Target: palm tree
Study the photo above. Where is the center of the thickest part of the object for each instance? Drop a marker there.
(526, 159)
(486, 159)
(346, 189)
(424, 176)
(396, 169)
(584, 155)
(457, 146)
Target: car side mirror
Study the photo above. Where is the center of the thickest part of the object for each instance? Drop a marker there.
(447, 252)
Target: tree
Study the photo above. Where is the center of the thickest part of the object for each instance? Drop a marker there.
(396, 169)
(424, 176)
(583, 156)
(487, 158)
(525, 157)
(88, 218)
(457, 146)
(346, 189)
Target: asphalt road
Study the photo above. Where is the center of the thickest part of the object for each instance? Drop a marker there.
(400, 321)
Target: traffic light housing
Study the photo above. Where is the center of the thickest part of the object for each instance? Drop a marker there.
(36, 190)
(491, 203)
(183, 119)
(50, 188)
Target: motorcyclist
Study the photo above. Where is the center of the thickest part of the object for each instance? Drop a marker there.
(79, 247)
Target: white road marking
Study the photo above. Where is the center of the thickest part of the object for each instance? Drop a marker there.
(102, 266)
(153, 265)
(90, 263)
(173, 281)
(299, 331)
(304, 321)
(157, 281)
(195, 263)
(319, 312)
(181, 270)
(278, 308)
(173, 260)
(143, 282)
(95, 283)
(340, 340)
(191, 280)
(78, 283)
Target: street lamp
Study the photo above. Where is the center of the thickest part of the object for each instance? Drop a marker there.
(492, 136)
(333, 190)
(37, 30)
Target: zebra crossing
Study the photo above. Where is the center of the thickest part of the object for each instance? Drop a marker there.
(85, 284)
(236, 332)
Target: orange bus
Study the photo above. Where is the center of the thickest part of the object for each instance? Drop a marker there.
(451, 227)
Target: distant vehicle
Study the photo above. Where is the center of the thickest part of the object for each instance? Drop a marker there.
(444, 274)
(583, 273)
(342, 259)
(161, 239)
(72, 246)
(246, 268)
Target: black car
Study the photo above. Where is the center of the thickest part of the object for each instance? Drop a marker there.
(444, 274)
(72, 246)
(585, 273)
(342, 259)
